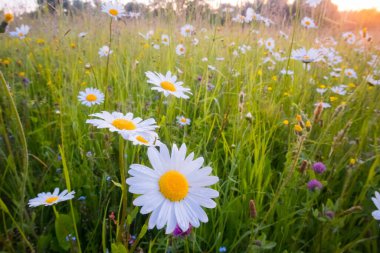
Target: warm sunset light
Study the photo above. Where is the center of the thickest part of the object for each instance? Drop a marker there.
(343, 5)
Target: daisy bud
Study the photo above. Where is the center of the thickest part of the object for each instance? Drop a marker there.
(318, 112)
(252, 209)
(308, 125)
(303, 166)
(298, 130)
(179, 233)
(8, 17)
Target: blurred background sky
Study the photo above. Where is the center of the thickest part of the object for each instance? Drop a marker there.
(20, 6)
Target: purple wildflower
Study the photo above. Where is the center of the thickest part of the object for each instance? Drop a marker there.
(179, 233)
(319, 167)
(314, 184)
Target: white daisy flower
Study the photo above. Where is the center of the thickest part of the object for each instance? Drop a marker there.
(372, 81)
(20, 32)
(313, 3)
(339, 90)
(195, 41)
(156, 46)
(308, 23)
(126, 125)
(175, 190)
(146, 139)
(321, 90)
(204, 59)
(187, 30)
(376, 201)
(165, 39)
(104, 51)
(180, 49)
(269, 44)
(114, 9)
(286, 72)
(82, 34)
(349, 37)
(324, 105)
(133, 15)
(48, 199)
(91, 96)
(183, 121)
(210, 67)
(167, 84)
(239, 19)
(312, 55)
(350, 73)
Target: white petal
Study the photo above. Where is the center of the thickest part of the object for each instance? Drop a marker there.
(204, 192)
(138, 170)
(181, 216)
(155, 160)
(201, 214)
(153, 218)
(172, 222)
(205, 181)
(163, 215)
(376, 214)
(203, 201)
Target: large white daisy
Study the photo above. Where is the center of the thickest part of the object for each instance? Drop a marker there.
(306, 56)
(167, 84)
(104, 51)
(114, 9)
(91, 96)
(174, 190)
(308, 23)
(187, 30)
(20, 32)
(126, 125)
(48, 198)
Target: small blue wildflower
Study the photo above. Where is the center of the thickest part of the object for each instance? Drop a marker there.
(223, 249)
(82, 198)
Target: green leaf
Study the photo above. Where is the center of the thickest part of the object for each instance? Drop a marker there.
(143, 231)
(64, 227)
(118, 248)
(132, 216)
(43, 243)
(116, 184)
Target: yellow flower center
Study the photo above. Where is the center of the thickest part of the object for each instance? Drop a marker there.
(20, 34)
(124, 124)
(142, 139)
(306, 57)
(113, 12)
(51, 199)
(307, 23)
(8, 17)
(173, 185)
(349, 73)
(187, 30)
(181, 49)
(168, 86)
(183, 120)
(91, 97)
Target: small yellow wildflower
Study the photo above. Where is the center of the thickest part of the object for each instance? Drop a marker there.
(322, 86)
(260, 72)
(73, 45)
(286, 122)
(352, 85)
(332, 99)
(40, 42)
(299, 117)
(270, 88)
(8, 17)
(352, 161)
(298, 128)
(21, 74)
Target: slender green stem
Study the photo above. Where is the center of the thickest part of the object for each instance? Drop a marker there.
(123, 189)
(55, 212)
(25, 158)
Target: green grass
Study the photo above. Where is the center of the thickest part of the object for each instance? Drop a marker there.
(256, 159)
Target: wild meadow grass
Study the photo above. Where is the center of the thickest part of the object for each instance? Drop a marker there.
(238, 125)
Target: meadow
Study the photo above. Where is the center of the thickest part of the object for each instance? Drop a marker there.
(293, 136)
